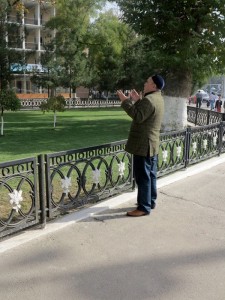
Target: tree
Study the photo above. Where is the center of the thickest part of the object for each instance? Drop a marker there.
(186, 44)
(110, 52)
(8, 101)
(55, 103)
(66, 54)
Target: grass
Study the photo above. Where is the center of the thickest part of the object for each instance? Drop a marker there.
(29, 133)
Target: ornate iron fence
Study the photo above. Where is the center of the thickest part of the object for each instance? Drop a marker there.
(200, 116)
(32, 191)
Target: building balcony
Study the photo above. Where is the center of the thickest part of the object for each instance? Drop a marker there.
(31, 46)
(30, 21)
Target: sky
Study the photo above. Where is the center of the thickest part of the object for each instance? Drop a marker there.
(110, 5)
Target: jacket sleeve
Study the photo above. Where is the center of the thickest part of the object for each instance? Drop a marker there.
(139, 111)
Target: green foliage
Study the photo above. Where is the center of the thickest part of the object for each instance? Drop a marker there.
(186, 38)
(9, 100)
(56, 103)
(44, 107)
(110, 52)
(65, 58)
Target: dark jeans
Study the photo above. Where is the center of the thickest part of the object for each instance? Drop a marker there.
(145, 172)
(199, 103)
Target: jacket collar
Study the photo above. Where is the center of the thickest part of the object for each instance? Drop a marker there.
(149, 93)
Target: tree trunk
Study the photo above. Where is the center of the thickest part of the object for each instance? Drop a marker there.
(52, 92)
(177, 90)
(2, 125)
(175, 116)
(54, 119)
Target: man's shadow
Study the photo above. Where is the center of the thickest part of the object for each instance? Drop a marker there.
(109, 214)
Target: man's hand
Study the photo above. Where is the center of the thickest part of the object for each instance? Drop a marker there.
(134, 95)
(121, 95)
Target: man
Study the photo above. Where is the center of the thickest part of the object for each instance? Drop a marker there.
(199, 99)
(143, 140)
(212, 100)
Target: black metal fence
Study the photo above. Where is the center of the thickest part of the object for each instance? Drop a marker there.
(201, 116)
(35, 190)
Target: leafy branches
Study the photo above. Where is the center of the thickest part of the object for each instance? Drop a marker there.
(188, 36)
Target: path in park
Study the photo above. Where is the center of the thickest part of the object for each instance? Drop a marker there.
(176, 253)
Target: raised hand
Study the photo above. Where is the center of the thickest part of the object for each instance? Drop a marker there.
(121, 95)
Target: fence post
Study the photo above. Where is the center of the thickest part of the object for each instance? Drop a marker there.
(196, 115)
(223, 117)
(42, 197)
(187, 147)
(132, 173)
(220, 137)
(208, 115)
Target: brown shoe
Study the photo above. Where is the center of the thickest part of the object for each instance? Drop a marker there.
(136, 213)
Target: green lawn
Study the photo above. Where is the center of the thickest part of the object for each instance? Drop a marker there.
(29, 133)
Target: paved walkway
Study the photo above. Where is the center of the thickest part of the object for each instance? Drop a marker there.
(176, 253)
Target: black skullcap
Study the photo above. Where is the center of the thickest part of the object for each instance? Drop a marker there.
(159, 81)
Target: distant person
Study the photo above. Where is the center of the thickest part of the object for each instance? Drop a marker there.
(189, 100)
(212, 100)
(218, 104)
(198, 99)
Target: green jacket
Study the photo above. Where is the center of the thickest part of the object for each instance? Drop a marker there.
(147, 115)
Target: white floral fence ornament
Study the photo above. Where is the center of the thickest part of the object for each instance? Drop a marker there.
(214, 140)
(194, 146)
(178, 151)
(15, 199)
(205, 142)
(66, 184)
(95, 176)
(121, 168)
(164, 155)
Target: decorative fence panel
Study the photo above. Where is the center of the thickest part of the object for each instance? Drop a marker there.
(82, 177)
(172, 152)
(200, 116)
(205, 142)
(19, 205)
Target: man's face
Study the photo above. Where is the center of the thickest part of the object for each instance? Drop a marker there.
(149, 86)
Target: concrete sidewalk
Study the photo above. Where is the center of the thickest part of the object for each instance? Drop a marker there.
(177, 253)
